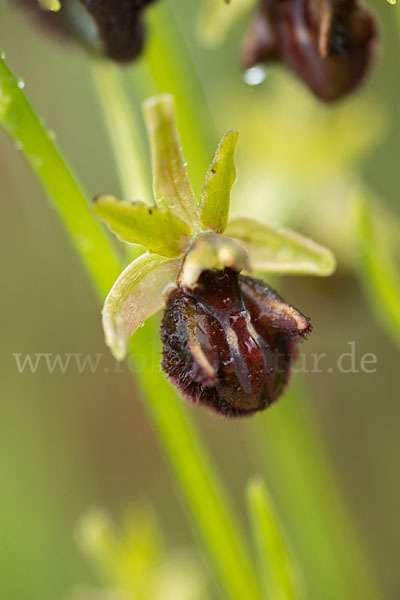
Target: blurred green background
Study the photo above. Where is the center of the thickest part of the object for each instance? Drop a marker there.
(70, 441)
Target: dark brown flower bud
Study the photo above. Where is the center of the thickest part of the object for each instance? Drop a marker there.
(110, 27)
(330, 45)
(229, 342)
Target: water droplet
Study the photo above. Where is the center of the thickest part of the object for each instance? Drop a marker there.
(18, 145)
(392, 1)
(255, 75)
(141, 324)
(2, 55)
(21, 84)
(52, 134)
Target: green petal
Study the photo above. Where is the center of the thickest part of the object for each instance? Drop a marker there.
(138, 223)
(216, 193)
(171, 186)
(137, 294)
(278, 250)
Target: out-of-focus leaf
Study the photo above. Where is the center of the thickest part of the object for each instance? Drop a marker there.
(217, 17)
(278, 250)
(171, 186)
(377, 268)
(133, 561)
(126, 557)
(138, 223)
(211, 251)
(216, 193)
(84, 592)
(137, 294)
(277, 570)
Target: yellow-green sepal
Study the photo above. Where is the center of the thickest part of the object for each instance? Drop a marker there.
(138, 293)
(138, 223)
(171, 186)
(279, 250)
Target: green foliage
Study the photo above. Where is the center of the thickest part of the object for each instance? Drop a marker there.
(132, 561)
(35, 142)
(216, 18)
(123, 132)
(377, 269)
(276, 566)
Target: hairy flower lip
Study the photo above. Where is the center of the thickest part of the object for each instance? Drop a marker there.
(236, 356)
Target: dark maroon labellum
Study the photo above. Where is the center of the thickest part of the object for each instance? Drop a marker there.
(229, 343)
(330, 45)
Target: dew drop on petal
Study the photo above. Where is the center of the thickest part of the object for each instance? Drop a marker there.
(21, 84)
(255, 75)
(18, 145)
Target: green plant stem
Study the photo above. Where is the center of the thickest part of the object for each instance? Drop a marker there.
(197, 479)
(198, 482)
(35, 142)
(300, 477)
(276, 566)
(376, 268)
(124, 133)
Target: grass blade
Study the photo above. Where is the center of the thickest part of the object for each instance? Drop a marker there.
(276, 566)
(377, 270)
(34, 141)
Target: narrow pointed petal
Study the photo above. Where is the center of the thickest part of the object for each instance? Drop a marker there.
(171, 186)
(138, 293)
(138, 223)
(216, 193)
(278, 250)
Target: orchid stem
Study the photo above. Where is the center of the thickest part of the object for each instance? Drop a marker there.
(124, 133)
